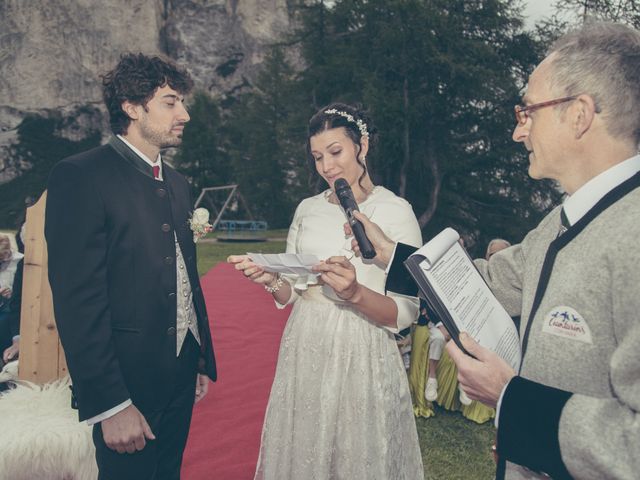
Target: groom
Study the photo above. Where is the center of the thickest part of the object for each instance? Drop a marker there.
(122, 267)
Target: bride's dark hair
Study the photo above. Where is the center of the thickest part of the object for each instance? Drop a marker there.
(323, 121)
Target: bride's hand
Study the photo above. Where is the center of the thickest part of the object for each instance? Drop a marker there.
(340, 274)
(251, 270)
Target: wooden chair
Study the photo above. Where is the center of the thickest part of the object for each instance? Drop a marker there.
(42, 359)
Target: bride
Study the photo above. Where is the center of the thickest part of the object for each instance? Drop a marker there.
(340, 406)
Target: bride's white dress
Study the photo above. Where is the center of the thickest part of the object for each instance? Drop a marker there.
(340, 406)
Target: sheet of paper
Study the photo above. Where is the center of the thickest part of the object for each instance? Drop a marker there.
(470, 302)
(435, 248)
(291, 263)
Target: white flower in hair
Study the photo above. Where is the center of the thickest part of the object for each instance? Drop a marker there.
(359, 123)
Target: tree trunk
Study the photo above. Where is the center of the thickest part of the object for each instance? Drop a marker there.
(402, 190)
(431, 163)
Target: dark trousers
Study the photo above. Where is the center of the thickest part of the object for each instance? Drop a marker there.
(160, 459)
(6, 338)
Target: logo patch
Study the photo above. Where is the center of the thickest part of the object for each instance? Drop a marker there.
(566, 322)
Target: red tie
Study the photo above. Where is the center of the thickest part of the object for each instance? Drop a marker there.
(156, 171)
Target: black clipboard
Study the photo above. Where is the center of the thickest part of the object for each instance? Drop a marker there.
(412, 264)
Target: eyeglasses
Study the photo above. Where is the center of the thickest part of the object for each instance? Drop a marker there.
(523, 112)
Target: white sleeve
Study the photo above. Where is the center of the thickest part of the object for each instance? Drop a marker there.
(109, 413)
(292, 247)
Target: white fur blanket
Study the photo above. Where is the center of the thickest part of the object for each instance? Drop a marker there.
(40, 436)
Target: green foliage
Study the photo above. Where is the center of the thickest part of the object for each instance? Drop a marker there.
(569, 14)
(257, 143)
(202, 157)
(440, 79)
(40, 144)
(623, 11)
(266, 142)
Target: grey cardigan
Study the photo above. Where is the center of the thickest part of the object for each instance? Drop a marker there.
(574, 411)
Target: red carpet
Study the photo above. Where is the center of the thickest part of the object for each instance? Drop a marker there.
(225, 432)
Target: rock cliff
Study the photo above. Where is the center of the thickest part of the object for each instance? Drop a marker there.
(52, 52)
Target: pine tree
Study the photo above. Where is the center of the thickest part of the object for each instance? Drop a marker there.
(266, 143)
(201, 157)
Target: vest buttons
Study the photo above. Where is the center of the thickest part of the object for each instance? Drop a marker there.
(171, 331)
(166, 227)
(161, 192)
(168, 260)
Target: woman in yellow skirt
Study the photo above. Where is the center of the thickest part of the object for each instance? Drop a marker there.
(435, 370)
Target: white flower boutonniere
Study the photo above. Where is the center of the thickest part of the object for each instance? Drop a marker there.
(199, 223)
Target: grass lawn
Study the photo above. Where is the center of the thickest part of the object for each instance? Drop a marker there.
(210, 253)
(452, 446)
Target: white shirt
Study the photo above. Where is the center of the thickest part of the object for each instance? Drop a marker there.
(585, 198)
(157, 163)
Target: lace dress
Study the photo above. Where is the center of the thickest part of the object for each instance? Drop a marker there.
(340, 406)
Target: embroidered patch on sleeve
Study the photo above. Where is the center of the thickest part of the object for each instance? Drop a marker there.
(566, 322)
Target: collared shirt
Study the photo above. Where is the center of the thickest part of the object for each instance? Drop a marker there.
(584, 199)
(158, 161)
(186, 318)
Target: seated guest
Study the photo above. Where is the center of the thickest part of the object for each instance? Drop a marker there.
(10, 261)
(432, 367)
(495, 246)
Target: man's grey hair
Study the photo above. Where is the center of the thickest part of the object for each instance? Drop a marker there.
(602, 60)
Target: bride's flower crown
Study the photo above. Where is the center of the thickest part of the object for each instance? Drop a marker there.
(359, 123)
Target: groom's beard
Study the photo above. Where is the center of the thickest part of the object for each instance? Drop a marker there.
(161, 138)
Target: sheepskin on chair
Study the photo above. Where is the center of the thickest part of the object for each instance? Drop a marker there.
(9, 372)
(40, 436)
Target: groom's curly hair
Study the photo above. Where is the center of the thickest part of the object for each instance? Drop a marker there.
(136, 78)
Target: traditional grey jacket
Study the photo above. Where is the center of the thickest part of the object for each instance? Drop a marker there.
(574, 409)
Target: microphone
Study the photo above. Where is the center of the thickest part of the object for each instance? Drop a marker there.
(348, 203)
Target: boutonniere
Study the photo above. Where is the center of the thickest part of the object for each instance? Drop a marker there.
(199, 223)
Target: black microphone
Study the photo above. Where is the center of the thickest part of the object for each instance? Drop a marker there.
(348, 203)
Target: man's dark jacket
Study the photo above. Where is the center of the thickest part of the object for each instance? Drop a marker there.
(112, 267)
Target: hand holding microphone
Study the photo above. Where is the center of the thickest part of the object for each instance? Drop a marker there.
(348, 203)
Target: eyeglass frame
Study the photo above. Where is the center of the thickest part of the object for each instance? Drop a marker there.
(522, 112)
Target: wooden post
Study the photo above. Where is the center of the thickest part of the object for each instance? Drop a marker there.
(41, 356)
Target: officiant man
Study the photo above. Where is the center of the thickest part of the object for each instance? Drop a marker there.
(122, 267)
(573, 409)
